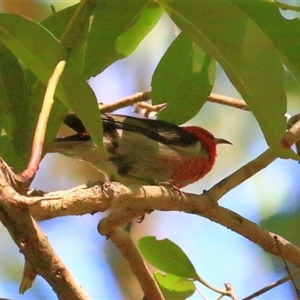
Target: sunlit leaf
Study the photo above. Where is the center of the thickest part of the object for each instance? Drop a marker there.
(117, 29)
(174, 287)
(167, 257)
(265, 15)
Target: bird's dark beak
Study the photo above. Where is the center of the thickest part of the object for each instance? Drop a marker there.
(222, 141)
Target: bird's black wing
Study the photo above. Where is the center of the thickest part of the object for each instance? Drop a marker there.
(75, 123)
(161, 131)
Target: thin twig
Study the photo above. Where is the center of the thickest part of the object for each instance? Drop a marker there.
(145, 96)
(253, 167)
(213, 288)
(229, 101)
(40, 130)
(146, 109)
(128, 101)
(272, 285)
(241, 175)
(286, 266)
(230, 290)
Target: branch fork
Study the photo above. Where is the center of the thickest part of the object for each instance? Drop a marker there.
(19, 212)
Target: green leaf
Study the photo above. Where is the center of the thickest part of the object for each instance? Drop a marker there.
(284, 225)
(57, 115)
(13, 101)
(41, 55)
(12, 155)
(265, 15)
(57, 24)
(184, 76)
(167, 257)
(79, 95)
(117, 29)
(246, 54)
(174, 287)
(83, 101)
(31, 43)
(14, 107)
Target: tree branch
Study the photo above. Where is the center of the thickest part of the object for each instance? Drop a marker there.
(109, 227)
(145, 96)
(229, 101)
(149, 198)
(125, 205)
(33, 244)
(272, 285)
(128, 101)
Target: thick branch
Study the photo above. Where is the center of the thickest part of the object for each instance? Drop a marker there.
(108, 226)
(33, 244)
(241, 175)
(118, 197)
(150, 198)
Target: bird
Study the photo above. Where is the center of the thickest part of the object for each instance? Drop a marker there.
(142, 151)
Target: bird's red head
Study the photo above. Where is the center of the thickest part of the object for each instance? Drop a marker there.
(197, 167)
(207, 140)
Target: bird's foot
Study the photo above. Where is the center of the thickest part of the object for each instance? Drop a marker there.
(171, 186)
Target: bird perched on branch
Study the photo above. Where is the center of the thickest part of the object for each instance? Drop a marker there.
(143, 151)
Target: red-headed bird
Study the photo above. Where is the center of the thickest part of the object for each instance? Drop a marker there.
(143, 151)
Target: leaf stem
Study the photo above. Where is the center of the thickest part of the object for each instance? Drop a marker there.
(40, 130)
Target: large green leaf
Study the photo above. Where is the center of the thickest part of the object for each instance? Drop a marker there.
(79, 95)
(13, 101)
(167, 257)
(41, 55)
(57, 24)
(265, 15)
(83, 101)
(246, 54)
(117, 29)
(31, 43)
(14, 108)
(184, 77)
(13, 155)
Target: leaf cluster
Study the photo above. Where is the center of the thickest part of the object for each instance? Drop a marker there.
(92, 35)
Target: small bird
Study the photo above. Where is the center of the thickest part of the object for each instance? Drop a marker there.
(143, 151)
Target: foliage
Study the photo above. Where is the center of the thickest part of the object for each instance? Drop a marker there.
(91, 36)
(237, 35)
